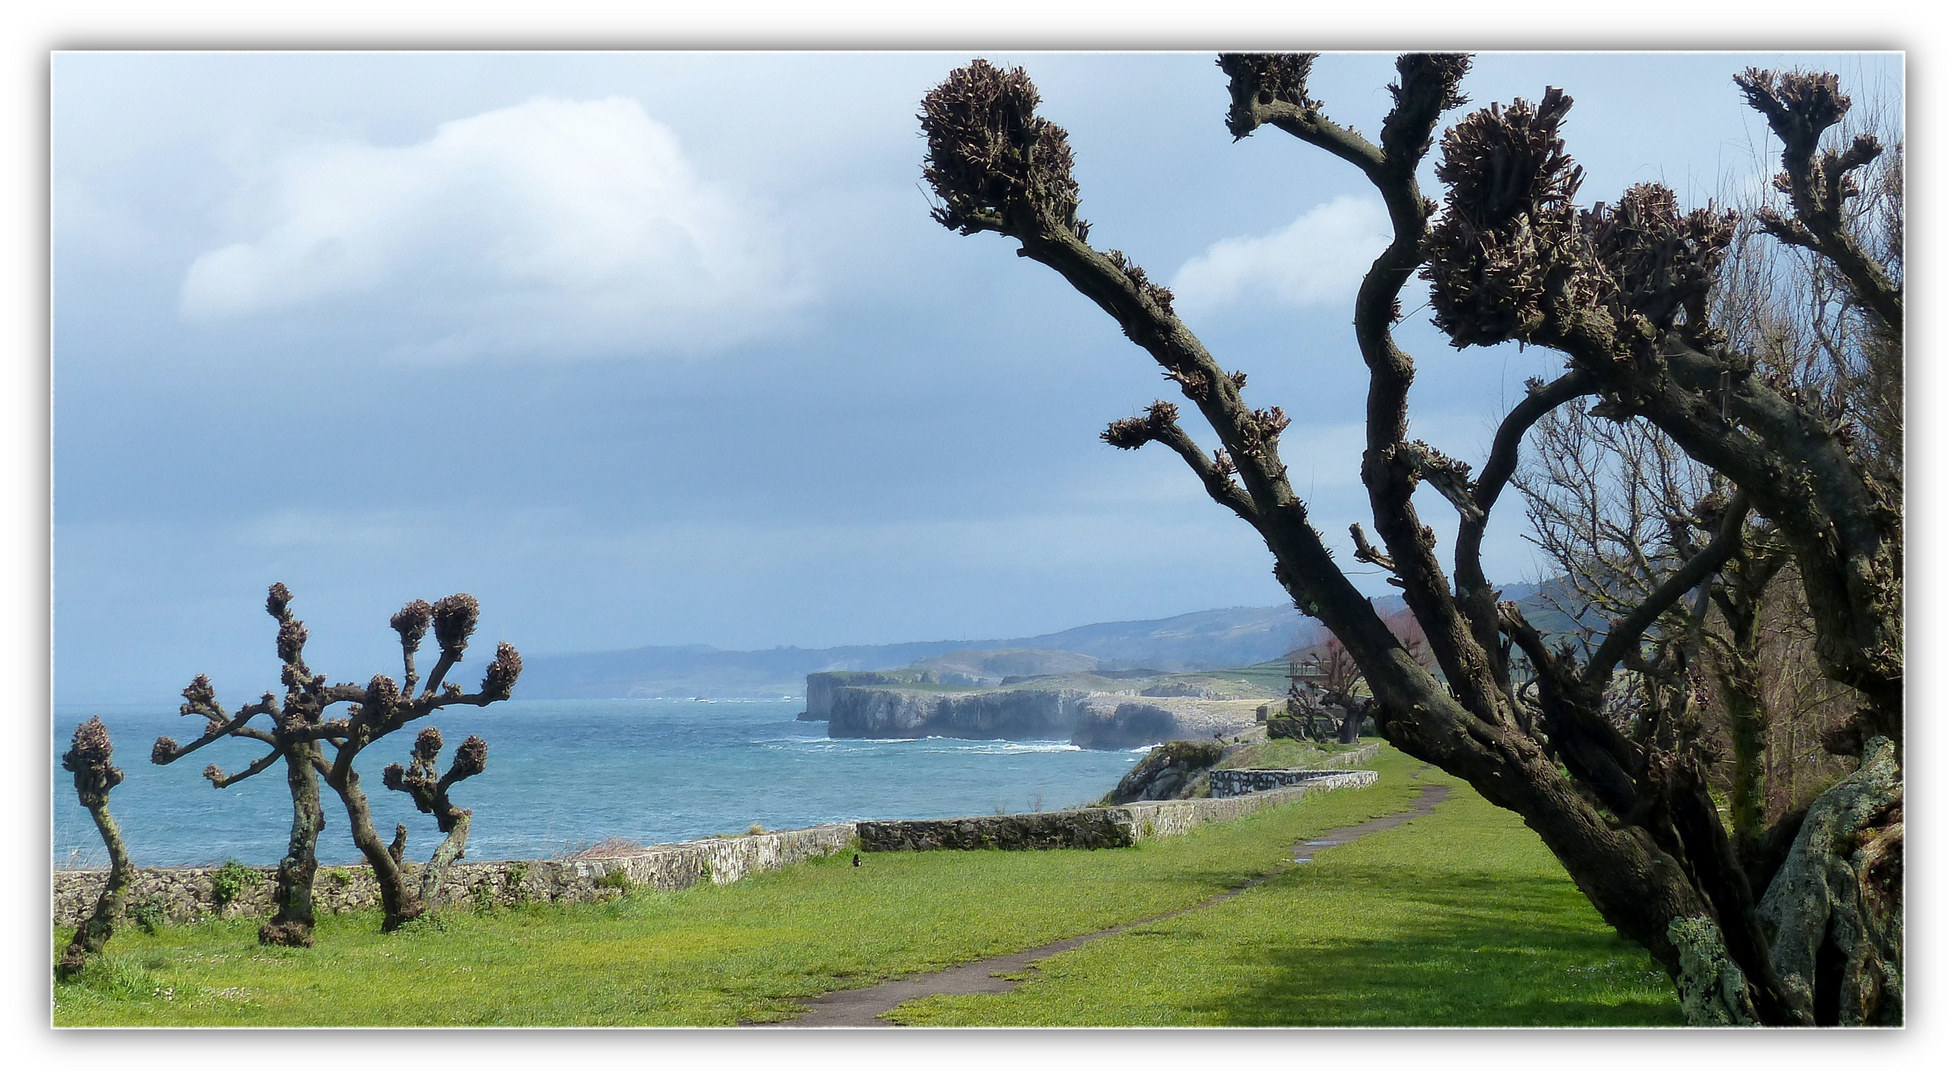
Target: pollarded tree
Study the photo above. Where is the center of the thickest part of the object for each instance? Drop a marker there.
(382, 708)
(301, 734)
(430, 792)
(1621, 292)
(292, 737)
(90, 758)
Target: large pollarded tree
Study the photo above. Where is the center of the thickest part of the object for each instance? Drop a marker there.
(315, 746)
(1622, 292)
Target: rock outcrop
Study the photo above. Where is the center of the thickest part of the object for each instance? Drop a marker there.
(1089, 719)
(1169, 771)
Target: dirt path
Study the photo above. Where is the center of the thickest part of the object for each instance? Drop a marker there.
(865, 1006)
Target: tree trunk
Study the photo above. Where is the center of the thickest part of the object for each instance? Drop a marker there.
(397, 901)
(1836, 902)
(1738, 687)
(452, 847)
(292, 924)
(93, 935)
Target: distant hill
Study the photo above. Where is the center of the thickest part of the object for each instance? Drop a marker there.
(1223, 638)
(1200, 641)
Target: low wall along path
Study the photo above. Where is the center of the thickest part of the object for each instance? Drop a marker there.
(186, 894)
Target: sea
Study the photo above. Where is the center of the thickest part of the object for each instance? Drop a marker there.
(565, 775)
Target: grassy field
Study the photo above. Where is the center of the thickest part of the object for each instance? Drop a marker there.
(1460, 918)
(1286, 754)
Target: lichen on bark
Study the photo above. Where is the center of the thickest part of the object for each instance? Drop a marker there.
(1835, 908)
(1711, 988)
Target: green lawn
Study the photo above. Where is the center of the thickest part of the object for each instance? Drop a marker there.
(1458, 918)
(1288, 754)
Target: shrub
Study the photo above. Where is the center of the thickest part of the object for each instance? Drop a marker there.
(149, 915)
(232, 881)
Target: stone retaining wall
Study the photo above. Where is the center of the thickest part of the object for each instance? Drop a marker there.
(1231, 783)
(1090, 827)
(1178, 816)
(184, 894)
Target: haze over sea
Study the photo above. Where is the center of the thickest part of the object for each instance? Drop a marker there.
(565, 774)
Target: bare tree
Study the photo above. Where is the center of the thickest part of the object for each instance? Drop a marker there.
(430, 792)
(89, 758)
(1621, 291)
(293, 738)
(1617, 509)
(301, 734)
(1339, 683)
(382, 708)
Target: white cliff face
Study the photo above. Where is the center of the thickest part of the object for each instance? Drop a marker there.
(1099, 721)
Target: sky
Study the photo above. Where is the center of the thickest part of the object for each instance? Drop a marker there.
(664, 348)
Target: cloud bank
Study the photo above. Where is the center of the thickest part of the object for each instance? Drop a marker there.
(1317, 259)
(560, 228)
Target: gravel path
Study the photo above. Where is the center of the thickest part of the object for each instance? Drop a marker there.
(865, 1006)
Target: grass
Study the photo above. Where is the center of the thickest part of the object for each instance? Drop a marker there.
(717, 955)
(1461, 918)
(1286, 754)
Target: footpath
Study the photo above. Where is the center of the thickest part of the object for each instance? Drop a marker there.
(865, 1006)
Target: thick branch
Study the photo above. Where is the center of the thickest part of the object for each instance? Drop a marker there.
(1214, 472)
(1476, 594)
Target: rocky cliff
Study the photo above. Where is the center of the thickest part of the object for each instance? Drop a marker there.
(1087, 718)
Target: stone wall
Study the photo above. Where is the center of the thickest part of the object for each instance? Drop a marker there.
(1358, 756)
(184, 893)
(1093, 826)
(1231, 783)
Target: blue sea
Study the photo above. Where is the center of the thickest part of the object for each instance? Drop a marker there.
(566, 774)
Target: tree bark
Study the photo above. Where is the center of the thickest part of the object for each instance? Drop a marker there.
(292, 924)
(1836, 903)
(452, 847)
(398, 901)
(93, 934)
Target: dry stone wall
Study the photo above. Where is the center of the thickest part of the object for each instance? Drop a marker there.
(1230, 783)
(186, 894)
(1091, 827)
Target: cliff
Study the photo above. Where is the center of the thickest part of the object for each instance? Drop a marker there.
(1088, 718)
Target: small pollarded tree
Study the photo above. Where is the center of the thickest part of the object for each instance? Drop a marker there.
(89, 758)
(1621, 291)
(430, 792)
(305, 738)
(383, 708)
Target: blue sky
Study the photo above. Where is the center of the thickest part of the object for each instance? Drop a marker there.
(665, 349)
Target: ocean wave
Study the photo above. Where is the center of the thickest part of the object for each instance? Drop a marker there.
(988, 748)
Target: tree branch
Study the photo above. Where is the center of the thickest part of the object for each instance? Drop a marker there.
(1628, 631)
(220, 780)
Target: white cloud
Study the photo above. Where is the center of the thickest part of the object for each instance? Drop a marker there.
(1317, 259)
(555, 227)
